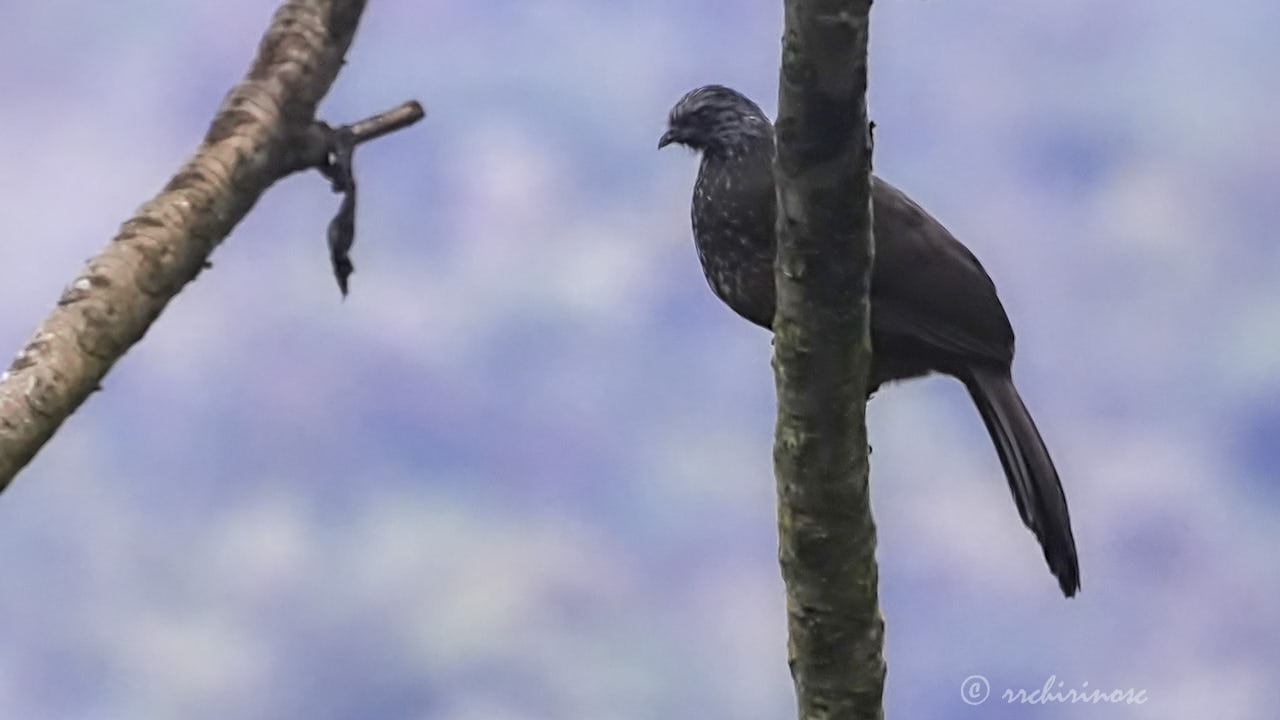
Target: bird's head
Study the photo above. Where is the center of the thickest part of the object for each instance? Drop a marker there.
(715, 118)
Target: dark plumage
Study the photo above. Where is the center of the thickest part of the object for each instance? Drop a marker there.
(933, 307)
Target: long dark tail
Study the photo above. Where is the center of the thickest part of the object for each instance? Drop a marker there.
(1032, 477)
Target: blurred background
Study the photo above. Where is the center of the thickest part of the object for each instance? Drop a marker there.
(524, 471)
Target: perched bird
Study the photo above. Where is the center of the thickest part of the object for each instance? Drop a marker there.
(933, 307)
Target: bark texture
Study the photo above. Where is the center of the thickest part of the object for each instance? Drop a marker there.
(265, 130)
(822, 355)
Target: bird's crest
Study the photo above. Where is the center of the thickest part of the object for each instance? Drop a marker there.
(715, 117)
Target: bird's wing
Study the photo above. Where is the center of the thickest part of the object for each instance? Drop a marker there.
(929, 288)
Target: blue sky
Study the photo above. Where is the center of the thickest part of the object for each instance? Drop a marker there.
(524, 470)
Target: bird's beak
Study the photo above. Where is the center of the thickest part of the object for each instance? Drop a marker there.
(667, 138)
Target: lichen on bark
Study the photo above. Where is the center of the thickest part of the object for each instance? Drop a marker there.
(822, 356)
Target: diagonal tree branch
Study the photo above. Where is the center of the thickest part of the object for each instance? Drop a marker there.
(822, 356)
(265, 130)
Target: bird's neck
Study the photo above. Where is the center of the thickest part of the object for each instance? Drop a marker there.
(733, 211)
(745, 149)
(737, 180)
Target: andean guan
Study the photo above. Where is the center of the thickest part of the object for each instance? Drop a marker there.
(933, 307)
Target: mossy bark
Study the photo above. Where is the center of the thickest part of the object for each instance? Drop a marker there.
(822, 357)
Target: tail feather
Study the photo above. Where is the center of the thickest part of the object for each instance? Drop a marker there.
(1032, 477)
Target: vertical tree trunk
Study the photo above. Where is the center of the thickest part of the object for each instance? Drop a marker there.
(822, 356)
